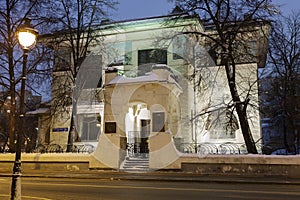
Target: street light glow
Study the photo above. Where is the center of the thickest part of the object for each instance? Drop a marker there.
(26, 35)
(26, 38)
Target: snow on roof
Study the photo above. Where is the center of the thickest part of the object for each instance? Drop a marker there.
(149, 77)
(38, 111)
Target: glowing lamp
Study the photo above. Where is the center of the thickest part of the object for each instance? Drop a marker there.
(27, 35)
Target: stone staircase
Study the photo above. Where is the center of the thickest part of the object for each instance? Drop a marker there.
(135, 164)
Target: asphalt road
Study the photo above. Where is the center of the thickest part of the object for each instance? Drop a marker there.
(83, 189)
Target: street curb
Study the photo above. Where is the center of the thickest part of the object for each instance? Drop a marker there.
(165, 177)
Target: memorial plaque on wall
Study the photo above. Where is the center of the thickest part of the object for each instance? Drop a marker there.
(110, 127)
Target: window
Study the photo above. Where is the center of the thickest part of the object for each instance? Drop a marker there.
(245, 51)
(158, 56)
(62, 58)
(158, 122)
(120, 53)
(146, 58)
(222, 124)
(253, 48)
(179, 47)
(91, 73)
(90, 129)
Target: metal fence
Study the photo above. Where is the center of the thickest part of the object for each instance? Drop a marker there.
(133, 148)
(216, 148)
(56, 148)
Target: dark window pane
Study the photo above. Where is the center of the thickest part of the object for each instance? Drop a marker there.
(85, 130)
(150, 56)
(179, 47)
(158, 56)
(94, 130)
(90, 130)
(62, 58)
(91, 72)
(158, 122)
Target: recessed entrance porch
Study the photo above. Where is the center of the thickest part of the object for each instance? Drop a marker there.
(138, 111)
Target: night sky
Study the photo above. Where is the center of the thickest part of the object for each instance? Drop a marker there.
(133, 9)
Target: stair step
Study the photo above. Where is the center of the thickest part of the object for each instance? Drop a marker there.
(136, 167)
(136, 161)
(135, 164)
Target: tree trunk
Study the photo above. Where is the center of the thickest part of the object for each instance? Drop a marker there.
(241, 109)
(72, 123)
(12, 120)
(12, 105)
(70, 134)
(242, 114)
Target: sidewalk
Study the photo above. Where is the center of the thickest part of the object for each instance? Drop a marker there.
(159, 176)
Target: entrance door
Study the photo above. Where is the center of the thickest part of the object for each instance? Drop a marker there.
(145, 131)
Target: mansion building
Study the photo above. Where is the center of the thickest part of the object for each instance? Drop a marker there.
(152, 89)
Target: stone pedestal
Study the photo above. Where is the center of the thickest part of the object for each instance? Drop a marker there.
(163, 152)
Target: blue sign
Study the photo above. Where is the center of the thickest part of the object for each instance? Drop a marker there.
(59, 129)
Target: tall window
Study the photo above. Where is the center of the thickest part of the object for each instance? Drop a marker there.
(158, 122)
(91, 73)
(90, 129)
(179, 47)
(222, 124)
(62, 59)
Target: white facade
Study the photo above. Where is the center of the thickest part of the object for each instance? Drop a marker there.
(204, 110)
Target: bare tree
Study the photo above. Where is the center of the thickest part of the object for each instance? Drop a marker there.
(283, 93)
(228, 19)
(76, 22)
(12, 14)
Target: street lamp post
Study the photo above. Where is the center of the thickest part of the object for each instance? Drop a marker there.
(26, 35)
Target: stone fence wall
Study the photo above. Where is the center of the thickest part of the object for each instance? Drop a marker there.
(249, 165)
(252, 165)
(46, 162)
